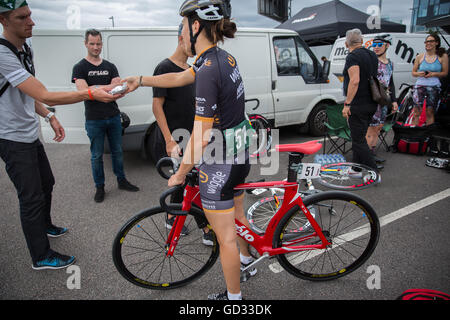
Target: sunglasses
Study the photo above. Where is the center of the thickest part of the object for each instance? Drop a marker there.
(377, 44)
(430, 41)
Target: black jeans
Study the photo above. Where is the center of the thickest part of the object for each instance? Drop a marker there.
(29, 170)
(361, 115)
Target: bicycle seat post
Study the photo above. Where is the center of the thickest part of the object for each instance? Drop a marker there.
(295, 159)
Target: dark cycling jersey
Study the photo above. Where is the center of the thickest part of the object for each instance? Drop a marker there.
(220, 89)
(220, 99)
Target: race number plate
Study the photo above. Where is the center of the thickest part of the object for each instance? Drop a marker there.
(308, 171)
(237, 139)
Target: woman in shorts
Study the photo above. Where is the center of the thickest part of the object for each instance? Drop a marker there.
(385, 76)
(428, 68)
(220, 106)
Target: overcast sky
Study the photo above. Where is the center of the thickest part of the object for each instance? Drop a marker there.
(61, 14)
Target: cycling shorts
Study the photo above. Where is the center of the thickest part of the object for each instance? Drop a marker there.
(217, 182)
(428, 93)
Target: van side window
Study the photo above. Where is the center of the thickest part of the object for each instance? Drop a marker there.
(307, 67)
(286, 56)
(293, 59)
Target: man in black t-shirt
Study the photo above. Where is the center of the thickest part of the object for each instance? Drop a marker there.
(102, 119)
(359, 106)
(173, 108)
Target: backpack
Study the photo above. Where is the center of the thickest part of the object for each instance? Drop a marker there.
(423, 294)
(28, 59)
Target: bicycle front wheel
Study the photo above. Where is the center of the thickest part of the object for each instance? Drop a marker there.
(348, 176)
(140, 251)
(348, 222)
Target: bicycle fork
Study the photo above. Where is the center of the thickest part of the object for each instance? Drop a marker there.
(174, 235)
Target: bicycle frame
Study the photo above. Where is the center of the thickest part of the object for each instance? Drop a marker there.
(263, 244)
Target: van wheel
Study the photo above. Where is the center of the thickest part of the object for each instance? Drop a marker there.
(316, 120)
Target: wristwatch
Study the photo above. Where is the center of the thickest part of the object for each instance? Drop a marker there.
(49, 116)
(347, 104)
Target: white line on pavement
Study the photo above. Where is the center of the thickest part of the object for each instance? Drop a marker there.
(384, 220)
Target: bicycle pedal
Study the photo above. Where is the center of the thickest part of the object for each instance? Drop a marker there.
(245, 276)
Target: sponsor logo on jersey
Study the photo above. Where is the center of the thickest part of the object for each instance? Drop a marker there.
(98, 73)
(203, 177)
(231, 61)
(235, 75)
(217, 181)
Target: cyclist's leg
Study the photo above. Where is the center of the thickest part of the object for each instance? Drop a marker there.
(216, 192)
(223, 225)
(241, 172)
(240, 215)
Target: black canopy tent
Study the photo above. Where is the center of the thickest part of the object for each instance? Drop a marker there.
(324, 23)
(443, 22)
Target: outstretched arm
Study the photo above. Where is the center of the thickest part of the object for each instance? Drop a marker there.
(167, 80)
(35, 89)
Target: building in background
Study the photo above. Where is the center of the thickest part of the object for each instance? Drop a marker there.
(425, 10)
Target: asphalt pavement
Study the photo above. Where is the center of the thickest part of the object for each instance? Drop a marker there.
(412, 252)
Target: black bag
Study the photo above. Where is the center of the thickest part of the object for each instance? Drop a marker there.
(411, 140)
(27, 61)
(412, 145)
(379, 91)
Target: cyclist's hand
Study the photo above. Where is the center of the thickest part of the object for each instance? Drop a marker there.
(173, 149)
(132, 83)
(176, 180)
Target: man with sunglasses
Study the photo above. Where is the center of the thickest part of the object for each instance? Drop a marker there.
(385, 75)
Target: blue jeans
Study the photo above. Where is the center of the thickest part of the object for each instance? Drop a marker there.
(96, 131)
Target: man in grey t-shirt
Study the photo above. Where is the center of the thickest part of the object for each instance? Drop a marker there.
(24, 155)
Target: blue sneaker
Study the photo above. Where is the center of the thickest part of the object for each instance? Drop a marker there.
(54, 261)
(55, 232)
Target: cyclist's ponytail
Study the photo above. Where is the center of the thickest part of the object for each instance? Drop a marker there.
(217, 31)
(224, 28)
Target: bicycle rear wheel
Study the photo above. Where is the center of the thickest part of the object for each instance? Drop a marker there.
(139, 251)
(348, 176)
(348, 222)
(264, 135)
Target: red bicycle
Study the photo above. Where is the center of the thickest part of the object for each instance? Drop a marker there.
(343, 234)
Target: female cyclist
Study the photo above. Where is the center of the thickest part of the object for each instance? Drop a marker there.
(429, 67)
(385, 75)
(220, 106)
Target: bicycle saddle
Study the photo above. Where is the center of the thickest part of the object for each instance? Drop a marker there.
(310, 147)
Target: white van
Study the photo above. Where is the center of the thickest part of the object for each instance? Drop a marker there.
(403, 51)
(283, 79)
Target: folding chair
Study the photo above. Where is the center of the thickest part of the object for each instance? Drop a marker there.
(388, 124)
(338, 133)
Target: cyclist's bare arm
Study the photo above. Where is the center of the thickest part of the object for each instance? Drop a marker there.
(167, 80)
(35, 89)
